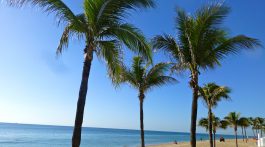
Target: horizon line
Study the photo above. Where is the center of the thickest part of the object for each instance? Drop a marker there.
(103, 128)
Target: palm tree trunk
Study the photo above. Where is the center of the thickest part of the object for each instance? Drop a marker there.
(141, 98)
(236, 136)
(195, 88)
(210, 127)
(246, 134)
(243, 134)
(76, 138)
(214, 140)
(253, 132)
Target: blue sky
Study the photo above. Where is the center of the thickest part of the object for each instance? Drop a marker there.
(36, 87)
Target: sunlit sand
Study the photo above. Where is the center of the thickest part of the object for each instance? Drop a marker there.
(227, 143)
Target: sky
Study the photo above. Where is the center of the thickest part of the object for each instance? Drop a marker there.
(37, 87)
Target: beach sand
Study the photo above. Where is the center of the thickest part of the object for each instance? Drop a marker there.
(227, 143)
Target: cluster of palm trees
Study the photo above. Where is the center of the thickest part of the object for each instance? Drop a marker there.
(211, 94)
(233, 120)
(217, 123)
(201, 43)
(257, 125)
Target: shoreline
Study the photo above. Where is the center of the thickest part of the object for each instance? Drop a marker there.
(205, 143)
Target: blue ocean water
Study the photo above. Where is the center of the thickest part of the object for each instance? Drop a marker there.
(22, 135)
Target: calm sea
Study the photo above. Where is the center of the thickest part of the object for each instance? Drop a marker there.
(21, 135)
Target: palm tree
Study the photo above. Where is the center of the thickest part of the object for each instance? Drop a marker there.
(217, 123)
(243, 123)
(102, 27)
(144, 78)
(211, 95)
(203, 122)
(263, 127)
(201, 44)
(233, 118)
(252, 122)
(259, 124)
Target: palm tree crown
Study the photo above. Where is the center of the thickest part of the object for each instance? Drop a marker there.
(212, 94)
(202, 42)
(203, 122)
(233, 118)
(144, 78)
(243, 122)
(217, 123)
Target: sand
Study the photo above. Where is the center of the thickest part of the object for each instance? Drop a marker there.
(227, 143)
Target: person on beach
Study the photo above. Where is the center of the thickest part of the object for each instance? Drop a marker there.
(175, 142)
(222, 139)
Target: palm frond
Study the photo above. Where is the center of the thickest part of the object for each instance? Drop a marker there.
(169, 45)
(64, 41)
(138, 69)
(203, 122)
(90, 9)
(223, 124)
(243, 122)
(213, 93)
(179, 68)
(159, 69)
(232, 118)
(133, 75)
(69, 32)
(110, 52)
(117, 10)
(234, 45)
(185, 25)
(221, 92)
(127, 76)
(132, 37)
(156, 76)
(144, 79)
(158, 82)
(210, 16)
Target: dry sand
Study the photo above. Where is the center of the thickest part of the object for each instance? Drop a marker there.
(227, 143)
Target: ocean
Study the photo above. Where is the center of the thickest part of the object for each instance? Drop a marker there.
(23, 135)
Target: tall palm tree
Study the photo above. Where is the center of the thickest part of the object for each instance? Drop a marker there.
(233, 118)
(104, 31)
(143, 78)
(243, 123)
(211, 95)
(201, 44)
